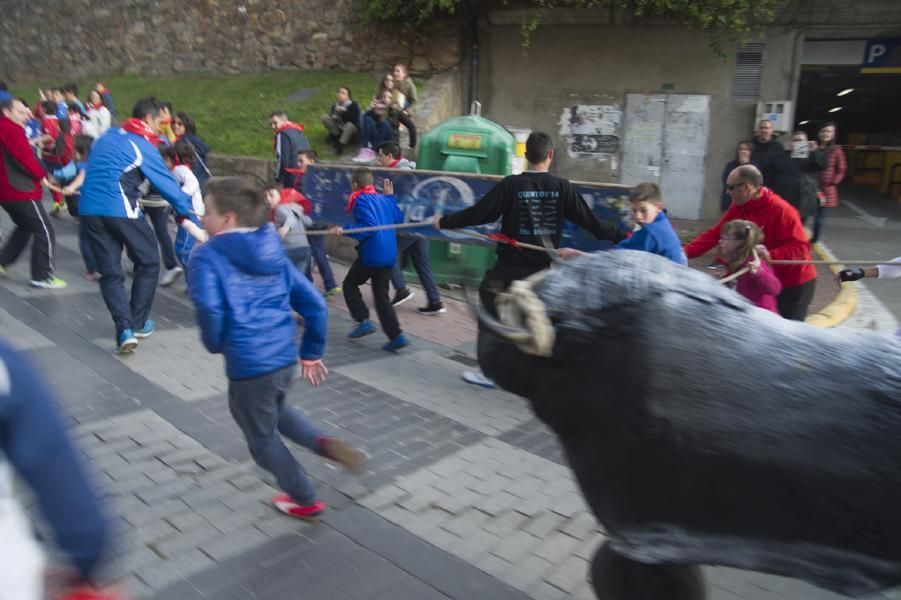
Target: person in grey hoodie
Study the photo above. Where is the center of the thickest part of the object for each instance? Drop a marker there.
(291, 222)
(416, 246)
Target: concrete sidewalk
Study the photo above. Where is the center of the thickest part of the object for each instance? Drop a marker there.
(466, 495)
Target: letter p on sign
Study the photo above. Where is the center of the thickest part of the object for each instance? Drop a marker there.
(876, 50)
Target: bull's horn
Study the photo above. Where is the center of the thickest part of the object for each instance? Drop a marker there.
(514, 334)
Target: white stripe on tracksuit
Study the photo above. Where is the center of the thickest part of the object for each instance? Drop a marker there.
(37, 211)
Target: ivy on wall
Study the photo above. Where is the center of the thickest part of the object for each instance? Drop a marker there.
(733, 20)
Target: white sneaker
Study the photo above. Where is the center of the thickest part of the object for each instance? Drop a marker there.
(170, 275)
(51, 283)
(478, 378)
(365, 155)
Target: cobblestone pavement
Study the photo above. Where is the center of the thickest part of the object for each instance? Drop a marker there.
(465, 495)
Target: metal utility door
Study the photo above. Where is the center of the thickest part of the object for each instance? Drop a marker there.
(665, 141)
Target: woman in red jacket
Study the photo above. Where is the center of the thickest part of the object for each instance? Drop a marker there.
(830, 177)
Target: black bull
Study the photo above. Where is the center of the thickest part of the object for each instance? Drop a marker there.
(702, 430)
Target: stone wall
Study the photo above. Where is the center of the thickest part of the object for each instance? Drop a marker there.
(83, 37)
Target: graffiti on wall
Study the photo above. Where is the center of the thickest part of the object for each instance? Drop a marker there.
(591, 130)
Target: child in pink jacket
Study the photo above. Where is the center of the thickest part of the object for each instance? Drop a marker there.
(759, 284)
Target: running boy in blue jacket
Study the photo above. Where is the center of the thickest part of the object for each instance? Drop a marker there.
(377, 253)
(245, 289)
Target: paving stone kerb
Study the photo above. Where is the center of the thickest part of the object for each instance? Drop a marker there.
(465, 494)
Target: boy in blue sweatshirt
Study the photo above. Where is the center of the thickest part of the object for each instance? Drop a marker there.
(244, 289)
(377, 254)
(655, 234)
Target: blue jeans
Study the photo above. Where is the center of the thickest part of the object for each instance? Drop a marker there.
(259, 408)
(106, 236)
(299, 257)
(317, 247)
(818, 220)
(375, 132)
(418, 250)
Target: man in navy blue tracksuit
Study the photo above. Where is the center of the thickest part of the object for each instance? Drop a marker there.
(111, 217)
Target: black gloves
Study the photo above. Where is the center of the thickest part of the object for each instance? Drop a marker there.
(851, 274)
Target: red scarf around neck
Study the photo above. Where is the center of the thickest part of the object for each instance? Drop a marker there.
(352, 199)
(284, 126)
(138, 127)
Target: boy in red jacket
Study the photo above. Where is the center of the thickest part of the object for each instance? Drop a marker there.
(20, 196)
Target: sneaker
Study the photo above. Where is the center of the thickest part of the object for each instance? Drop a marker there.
(396, 344)
(57, 209)
(92, 276)
(434, 308)
(342, 453)
(3, 272)
(333, 292)
(285, 504)
(127, 342)
(402, 296)
(478, 378)
(51, 283)
(365, 155)
(147, 330)
(364, 328)
(170, 275)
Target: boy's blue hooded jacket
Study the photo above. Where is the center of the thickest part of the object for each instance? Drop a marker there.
(657, 237)
(377, 249)
(245, 291)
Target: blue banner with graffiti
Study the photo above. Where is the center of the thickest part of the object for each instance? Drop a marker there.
(423, 194)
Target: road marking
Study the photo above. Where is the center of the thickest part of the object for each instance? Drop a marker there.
(874, 221)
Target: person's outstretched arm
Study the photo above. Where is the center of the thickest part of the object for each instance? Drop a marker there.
(33, 440)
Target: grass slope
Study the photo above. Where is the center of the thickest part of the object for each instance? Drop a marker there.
(232, 111)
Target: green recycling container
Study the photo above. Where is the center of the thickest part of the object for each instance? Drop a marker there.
(468, 144)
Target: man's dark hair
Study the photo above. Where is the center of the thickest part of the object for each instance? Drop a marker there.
(167, 105)
(6, 104)
(71, 88)
(279, 113)
(240, 196)
(391, 148)
(537, 147)
(362, 177)
(188, 121)
(147, 105)
(349, 95)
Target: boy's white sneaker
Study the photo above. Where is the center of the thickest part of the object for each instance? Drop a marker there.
(170, 275)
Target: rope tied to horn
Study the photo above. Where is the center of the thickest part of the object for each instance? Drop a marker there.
(521, 308)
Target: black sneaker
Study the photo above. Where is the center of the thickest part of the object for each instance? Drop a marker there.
(402, 296)
(434, 308)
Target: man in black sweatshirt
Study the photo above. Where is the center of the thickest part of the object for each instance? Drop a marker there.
(531, 206)
(767, 152)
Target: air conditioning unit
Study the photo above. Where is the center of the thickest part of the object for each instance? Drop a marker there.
(780, 112)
